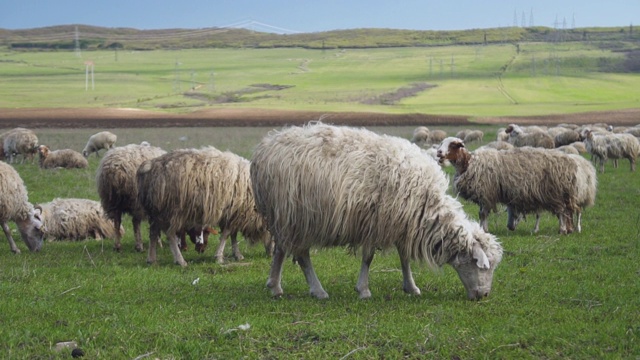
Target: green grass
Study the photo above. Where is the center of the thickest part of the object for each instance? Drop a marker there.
(472, 80)
(554, 297)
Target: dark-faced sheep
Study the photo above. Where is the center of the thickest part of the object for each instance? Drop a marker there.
(65, 158)
(190, 187)
(116, 183)
(324, 186)
(526, 180)
(20, 142)
(15, 206)
(75, 219)
(102, 140)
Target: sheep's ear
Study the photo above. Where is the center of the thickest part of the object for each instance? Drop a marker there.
(481, 258)
(457, 144)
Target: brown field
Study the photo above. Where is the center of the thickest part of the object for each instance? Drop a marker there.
(133, 118)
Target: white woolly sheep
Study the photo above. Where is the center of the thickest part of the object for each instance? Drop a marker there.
(568, 149)
(635, 131)
(3, 136)
(190, 187)
(102, 140)
(518, 137)
(585, 189)
(498, 145)
(65, 158)
(524, 179)
(75, 219)
(474, 135)
(20, 142)
(422, 136)
(324, 186)
(462, 133)
(117, 188)
(579, 145)
(614, 146)
(15, 206)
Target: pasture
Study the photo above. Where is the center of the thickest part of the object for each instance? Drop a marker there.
(475, 81)
(574, 296)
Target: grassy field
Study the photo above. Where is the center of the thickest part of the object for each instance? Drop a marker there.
(491, 80)
(553, 297)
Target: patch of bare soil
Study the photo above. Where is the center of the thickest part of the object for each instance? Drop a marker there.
(133, 118)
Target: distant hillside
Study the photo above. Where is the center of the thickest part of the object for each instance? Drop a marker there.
(92, 37)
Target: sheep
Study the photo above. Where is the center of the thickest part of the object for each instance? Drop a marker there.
(518, 138)
(116, 183)
(323, 186)
(579, 145)
(462, 133)
(474, 135)
(99, 141)
(498, 145)
(190, 187)
(3, 136)
(615, 146)
(422, 136)
(199, 235)
(501, 135)
(524, 179)
(75, 219)
(15, 206)
(65, 158)
(585, 190)
(566, 137)
(23, 142)
(635, 131)
(568, 149)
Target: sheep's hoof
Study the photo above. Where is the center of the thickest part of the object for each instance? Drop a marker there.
(15, 251)
(139, 248)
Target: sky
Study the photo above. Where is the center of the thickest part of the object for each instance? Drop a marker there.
(283, 16)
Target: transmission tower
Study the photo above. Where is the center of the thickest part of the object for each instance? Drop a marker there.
(524, 20)
(515, 18)
(77, 37)
(531, 18)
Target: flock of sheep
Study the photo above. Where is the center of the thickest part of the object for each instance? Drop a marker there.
(322, 186)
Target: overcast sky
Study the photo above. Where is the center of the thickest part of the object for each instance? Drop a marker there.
(318, 15)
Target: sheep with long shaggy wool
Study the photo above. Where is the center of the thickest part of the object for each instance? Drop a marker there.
(20, 142)
(3, 136)
(324, 186)
(102, 140)
(64, 158)
(75, 219)
(612, 146)
(190, 187)
(117, 187)
(524, 179)
(15, 206)
(422, 136)
(518, 137)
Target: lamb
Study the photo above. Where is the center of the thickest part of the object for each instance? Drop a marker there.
(323, 186)
(65, 158)
(116, 183)
(474, 135)
(99, 141)
(75, 219)
(15, 206)
(190, 187)
(518, 138)
(615, 146)
(536, 179)
(23, 142)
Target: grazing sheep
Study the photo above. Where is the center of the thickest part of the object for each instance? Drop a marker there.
(524, 179)
(323, 186)
(474, 135)
(614, 146)
(102, 140)
(585, 190)
(116, 183)
(519, 138)
(75, 219)
(498, 145)
(15, 206)
(199, 235)
(20, 142)
(462, 133)
(566, 137)
(65, 158)
(3, 136)
(420, 136)
(189, 187)
(436, 136)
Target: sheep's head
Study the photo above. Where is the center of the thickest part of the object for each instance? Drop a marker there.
(43, 151)
(475, 267)
(586, 134)
(450, 149)
(509, 128)
(32, 230)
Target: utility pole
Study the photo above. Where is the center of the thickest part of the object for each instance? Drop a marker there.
(77, 37)
(88, 65)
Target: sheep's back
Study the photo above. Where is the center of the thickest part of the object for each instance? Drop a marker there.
(14, 200)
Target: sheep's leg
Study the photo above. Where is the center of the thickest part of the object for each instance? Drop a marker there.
(223, 242)
(315, 287)
(275, 274)
(137, 234)
(117, 222)
(12, 243)
(362, 287)
(175, 250)
(484, 215)
(182, 235)
(235, 248)
(154, 236)
(536, 228)
(579, 221)
(563, 225)
(632, 163)
(408, 284)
